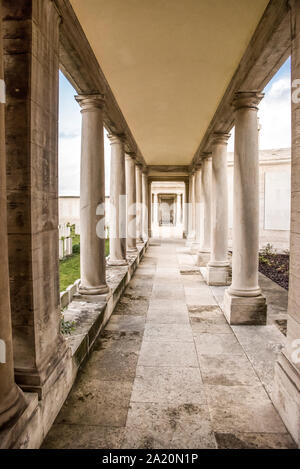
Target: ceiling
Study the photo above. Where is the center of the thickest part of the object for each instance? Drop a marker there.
(168, 63)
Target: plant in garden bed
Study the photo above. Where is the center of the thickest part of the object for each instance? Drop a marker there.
(274, 266)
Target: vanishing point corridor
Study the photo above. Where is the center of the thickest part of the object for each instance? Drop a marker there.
(169, 372)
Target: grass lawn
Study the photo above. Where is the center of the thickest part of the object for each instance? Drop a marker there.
(69, 268)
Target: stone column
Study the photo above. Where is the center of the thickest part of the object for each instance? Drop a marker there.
(191, 208)
(243, 301)
(32, 189)
(205, 225)
(155, 209)
(150, 208)
(12, 402)
(178, 209)
(131, 202)
(139, 204)
(197, 185)
(217, 268)
(145, 199)
(117, 221)
(286, 388)
(92, 197)
(185, 210)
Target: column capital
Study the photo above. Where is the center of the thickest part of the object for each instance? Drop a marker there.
(220, 137)
(116, 138)
(89, 102)
(247, 99)
(130, 156)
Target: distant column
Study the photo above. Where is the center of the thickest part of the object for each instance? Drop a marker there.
(131, 202)
(243, 301)
(155, 209)
(185, 210)
(92, 197)
(217, 268)
(191, 208)
(139, 202)
(198, 181)
(205, 224)
(117, 228)
(145, 200)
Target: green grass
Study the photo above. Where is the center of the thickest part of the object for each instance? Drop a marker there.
(69, 268)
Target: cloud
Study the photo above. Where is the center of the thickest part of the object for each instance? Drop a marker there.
(68, 134)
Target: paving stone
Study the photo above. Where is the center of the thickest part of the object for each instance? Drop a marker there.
(227, 370)
(97, 402)
(175, 385)
(168, 332)
(83, 436)
(266, 339)
(242, 409)
(126, 323)
(208, 319)
(254, 441)
(168, 354)
(167, 317)
(137, 306)
(159, 426)
(217, 344)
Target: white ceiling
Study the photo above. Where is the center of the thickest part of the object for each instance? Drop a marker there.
(168, 63)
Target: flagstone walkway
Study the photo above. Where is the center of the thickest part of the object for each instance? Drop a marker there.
(169, 372)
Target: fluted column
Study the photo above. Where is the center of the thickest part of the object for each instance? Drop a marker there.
(243, 301)
(117, 219)
(139, 204)
(92, 197)
(197, 187)
(131, 202)
(12, 402)
(145, 199)
(217, 268)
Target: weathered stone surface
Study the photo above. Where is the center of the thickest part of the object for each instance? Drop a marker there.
(242, 409)
(172, 385)
(80, 436)
(161, 426)
(254, 441)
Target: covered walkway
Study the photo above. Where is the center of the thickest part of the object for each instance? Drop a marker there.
(169, 372)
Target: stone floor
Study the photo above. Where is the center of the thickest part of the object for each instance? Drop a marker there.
(169, 372)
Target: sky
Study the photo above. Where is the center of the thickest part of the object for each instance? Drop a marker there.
(274, 116)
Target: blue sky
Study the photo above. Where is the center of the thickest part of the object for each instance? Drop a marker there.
(274, 115)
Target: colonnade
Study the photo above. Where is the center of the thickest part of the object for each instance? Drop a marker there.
(31, 346)
(243, 300)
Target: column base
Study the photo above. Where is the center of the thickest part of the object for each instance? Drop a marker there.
(93, 298)
(217, 276)
(10, 435)
(99, 290)
(245, 310)
(13, 409)
(202, 259)
(41, 380)
(120, 262)
(286, 395)
(132, 250)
